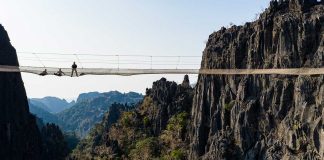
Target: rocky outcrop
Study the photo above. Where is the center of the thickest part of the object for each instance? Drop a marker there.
(156, 128)
(19, 135)
(169, 99)
(98, 143)
(112, 116)
(186, 82)
(263, 116)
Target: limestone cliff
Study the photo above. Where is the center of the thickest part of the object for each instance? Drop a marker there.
(155, 128)
(19, 135)
(263, 116)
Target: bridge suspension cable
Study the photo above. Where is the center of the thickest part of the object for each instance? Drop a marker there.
(78, 60)
(109, 60)
(112, 64)
(104, 55)
(40, 61)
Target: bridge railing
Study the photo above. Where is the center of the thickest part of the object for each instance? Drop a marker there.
(108, 61)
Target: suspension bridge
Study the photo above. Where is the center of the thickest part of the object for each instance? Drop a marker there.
(127, 65)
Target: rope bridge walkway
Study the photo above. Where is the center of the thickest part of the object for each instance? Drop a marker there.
(129, 72)
(127, 65)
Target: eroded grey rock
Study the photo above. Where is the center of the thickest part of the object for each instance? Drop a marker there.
(266, 116)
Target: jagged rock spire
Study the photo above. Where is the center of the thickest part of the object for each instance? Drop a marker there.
(186, 82)
(301, 5)
(295, 5)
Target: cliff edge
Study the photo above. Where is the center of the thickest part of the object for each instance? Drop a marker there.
(263, 116)
(19, 135)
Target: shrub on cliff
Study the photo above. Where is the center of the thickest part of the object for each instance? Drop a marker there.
(145, 149)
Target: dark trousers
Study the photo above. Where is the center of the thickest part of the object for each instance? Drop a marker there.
(76, 72)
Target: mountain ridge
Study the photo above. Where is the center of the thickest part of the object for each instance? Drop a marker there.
(88, 101)
(90, 108)
(52, 104)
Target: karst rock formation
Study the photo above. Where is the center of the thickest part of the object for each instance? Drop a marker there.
(263, 116)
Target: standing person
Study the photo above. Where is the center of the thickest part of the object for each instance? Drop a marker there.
(74, 69)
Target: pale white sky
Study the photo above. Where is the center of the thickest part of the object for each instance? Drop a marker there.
(161, 27)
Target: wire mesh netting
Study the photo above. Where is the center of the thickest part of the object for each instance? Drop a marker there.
(105, 64)
(108, 61)
(128, 72)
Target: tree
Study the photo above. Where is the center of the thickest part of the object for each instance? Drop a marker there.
(55, 146)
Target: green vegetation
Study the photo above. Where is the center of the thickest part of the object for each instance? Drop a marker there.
(134, 142)
(145, 149)
(177, 154)
(178, 122)
(53, 142)
(146, 121)
(156, 129)
(72, 140)
(229, 106)
(147, 102)
(126, 119)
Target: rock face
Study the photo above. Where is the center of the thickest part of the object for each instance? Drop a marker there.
(93, 144)
(19, 135)
(263, 116)
(170, 99)
(155, 128)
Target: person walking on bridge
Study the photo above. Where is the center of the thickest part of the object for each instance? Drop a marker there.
(74, 69)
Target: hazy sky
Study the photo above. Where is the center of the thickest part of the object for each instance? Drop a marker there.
(149, 27)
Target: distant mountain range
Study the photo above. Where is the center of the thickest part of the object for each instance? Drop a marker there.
(52, 104)
(82, 115)
(43, 114)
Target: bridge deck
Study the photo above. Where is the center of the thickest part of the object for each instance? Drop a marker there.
(129, 72)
